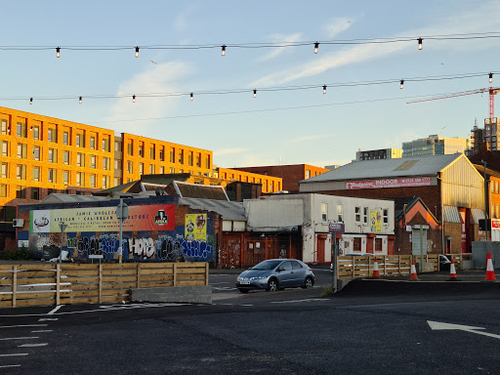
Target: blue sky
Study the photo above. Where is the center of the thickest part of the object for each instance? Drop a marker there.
(277, 127)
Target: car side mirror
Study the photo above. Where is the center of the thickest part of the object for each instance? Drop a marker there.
(280, 269)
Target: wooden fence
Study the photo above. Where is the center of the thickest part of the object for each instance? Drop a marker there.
(61, 284)
(349, 267)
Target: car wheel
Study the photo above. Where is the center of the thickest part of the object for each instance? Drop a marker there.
(272, 285)
(309, 283)
(242, 290)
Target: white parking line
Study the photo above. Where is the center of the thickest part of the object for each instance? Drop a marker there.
(303, 300)
(33, 345)
(48, 319)
(14, 355)
(9, 366)
(19, 338)
(24, 325)
(42, 331)
(54, 310)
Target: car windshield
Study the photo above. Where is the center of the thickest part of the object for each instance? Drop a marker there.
(267, 265)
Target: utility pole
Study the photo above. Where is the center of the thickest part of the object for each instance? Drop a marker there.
(486, 191)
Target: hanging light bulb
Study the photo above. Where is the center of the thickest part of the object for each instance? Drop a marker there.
(324, 89)
(136, 51)
(31, 101)
(316, 46)
(133, 98)
(420, 44)
(491, 77)
(254, 93)
(80, 100)
(191, 96)
(58, 52)
(223, 52)
(402, 84)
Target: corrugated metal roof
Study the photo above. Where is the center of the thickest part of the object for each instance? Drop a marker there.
(384, 168)
(477, 214)
(451, 215)
(227, 209)
(71, 198)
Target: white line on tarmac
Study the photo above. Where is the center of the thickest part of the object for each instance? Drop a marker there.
(9, 366)
(33, 345)
(304, 300)
(14, 355)
(48, 319)
(24, 325)
(19, 338)
(42, 331)
(54, 310)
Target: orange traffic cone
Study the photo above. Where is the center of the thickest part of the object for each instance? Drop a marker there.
(453, 272)
(375, 274)
(490, 272)
(413, 270)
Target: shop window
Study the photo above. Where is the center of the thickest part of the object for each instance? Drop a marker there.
(385, 216)
(357, 214)
(324, 212)
(356, 244)
(340, 213)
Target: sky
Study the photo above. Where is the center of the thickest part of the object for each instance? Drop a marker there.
(287, 123)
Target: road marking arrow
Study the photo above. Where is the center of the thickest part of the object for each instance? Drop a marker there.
(437, 326)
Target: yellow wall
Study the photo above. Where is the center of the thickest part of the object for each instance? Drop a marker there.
(29, 142)
(177, 158)
(270, 184)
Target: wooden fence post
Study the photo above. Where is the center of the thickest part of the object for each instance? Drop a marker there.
(14, 286)
(175, 274)
(58, 284)
(138, 275)
(206, 273)
(99, 277)
(385, 265)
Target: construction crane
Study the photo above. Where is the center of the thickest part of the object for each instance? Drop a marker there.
(490, 90)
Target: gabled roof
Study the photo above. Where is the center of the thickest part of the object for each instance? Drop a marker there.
(185, 190)
(229, 210)
(147, 182)
(71, 198)
(388, 168)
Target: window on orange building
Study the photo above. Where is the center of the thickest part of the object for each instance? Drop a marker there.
(52, 175)
(52, 135)
(92, 143)
(36, 174)
(66, 157)
(66, 177)
(21, 172)
(93, 161)
(92, 180)
(21, 130)
(36, 153)
(20, 192)
(22, 151)
(141, 168)
(3, 190)
(4, 127)
(36, 132)
(5, 170)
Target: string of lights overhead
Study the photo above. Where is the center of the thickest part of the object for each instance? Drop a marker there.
(323, 87)
(224, 47)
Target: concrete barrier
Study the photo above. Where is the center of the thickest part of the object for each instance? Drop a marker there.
(175, 294)
(480, 250)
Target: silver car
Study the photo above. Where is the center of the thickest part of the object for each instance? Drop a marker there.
(274, 274)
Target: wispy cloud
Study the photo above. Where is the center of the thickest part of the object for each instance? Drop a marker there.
(336, 26)
(283, 39)
(473, 18)
(159, 78)
(306, 138)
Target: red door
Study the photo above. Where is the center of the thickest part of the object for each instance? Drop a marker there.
(320, 248)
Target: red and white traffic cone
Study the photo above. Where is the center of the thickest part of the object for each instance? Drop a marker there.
(413, 271)
(376, 273)
(490, 271)
(453, 272)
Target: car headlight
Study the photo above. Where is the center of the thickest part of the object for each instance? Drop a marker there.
(257, 277)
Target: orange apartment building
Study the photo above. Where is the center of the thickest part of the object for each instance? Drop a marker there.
(290, 174)
(40, 155)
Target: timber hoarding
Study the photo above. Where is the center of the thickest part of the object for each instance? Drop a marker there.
(155, 230)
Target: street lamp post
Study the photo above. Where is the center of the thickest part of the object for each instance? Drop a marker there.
(121, 214)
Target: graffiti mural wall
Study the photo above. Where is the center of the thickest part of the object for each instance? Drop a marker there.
(151, 232)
